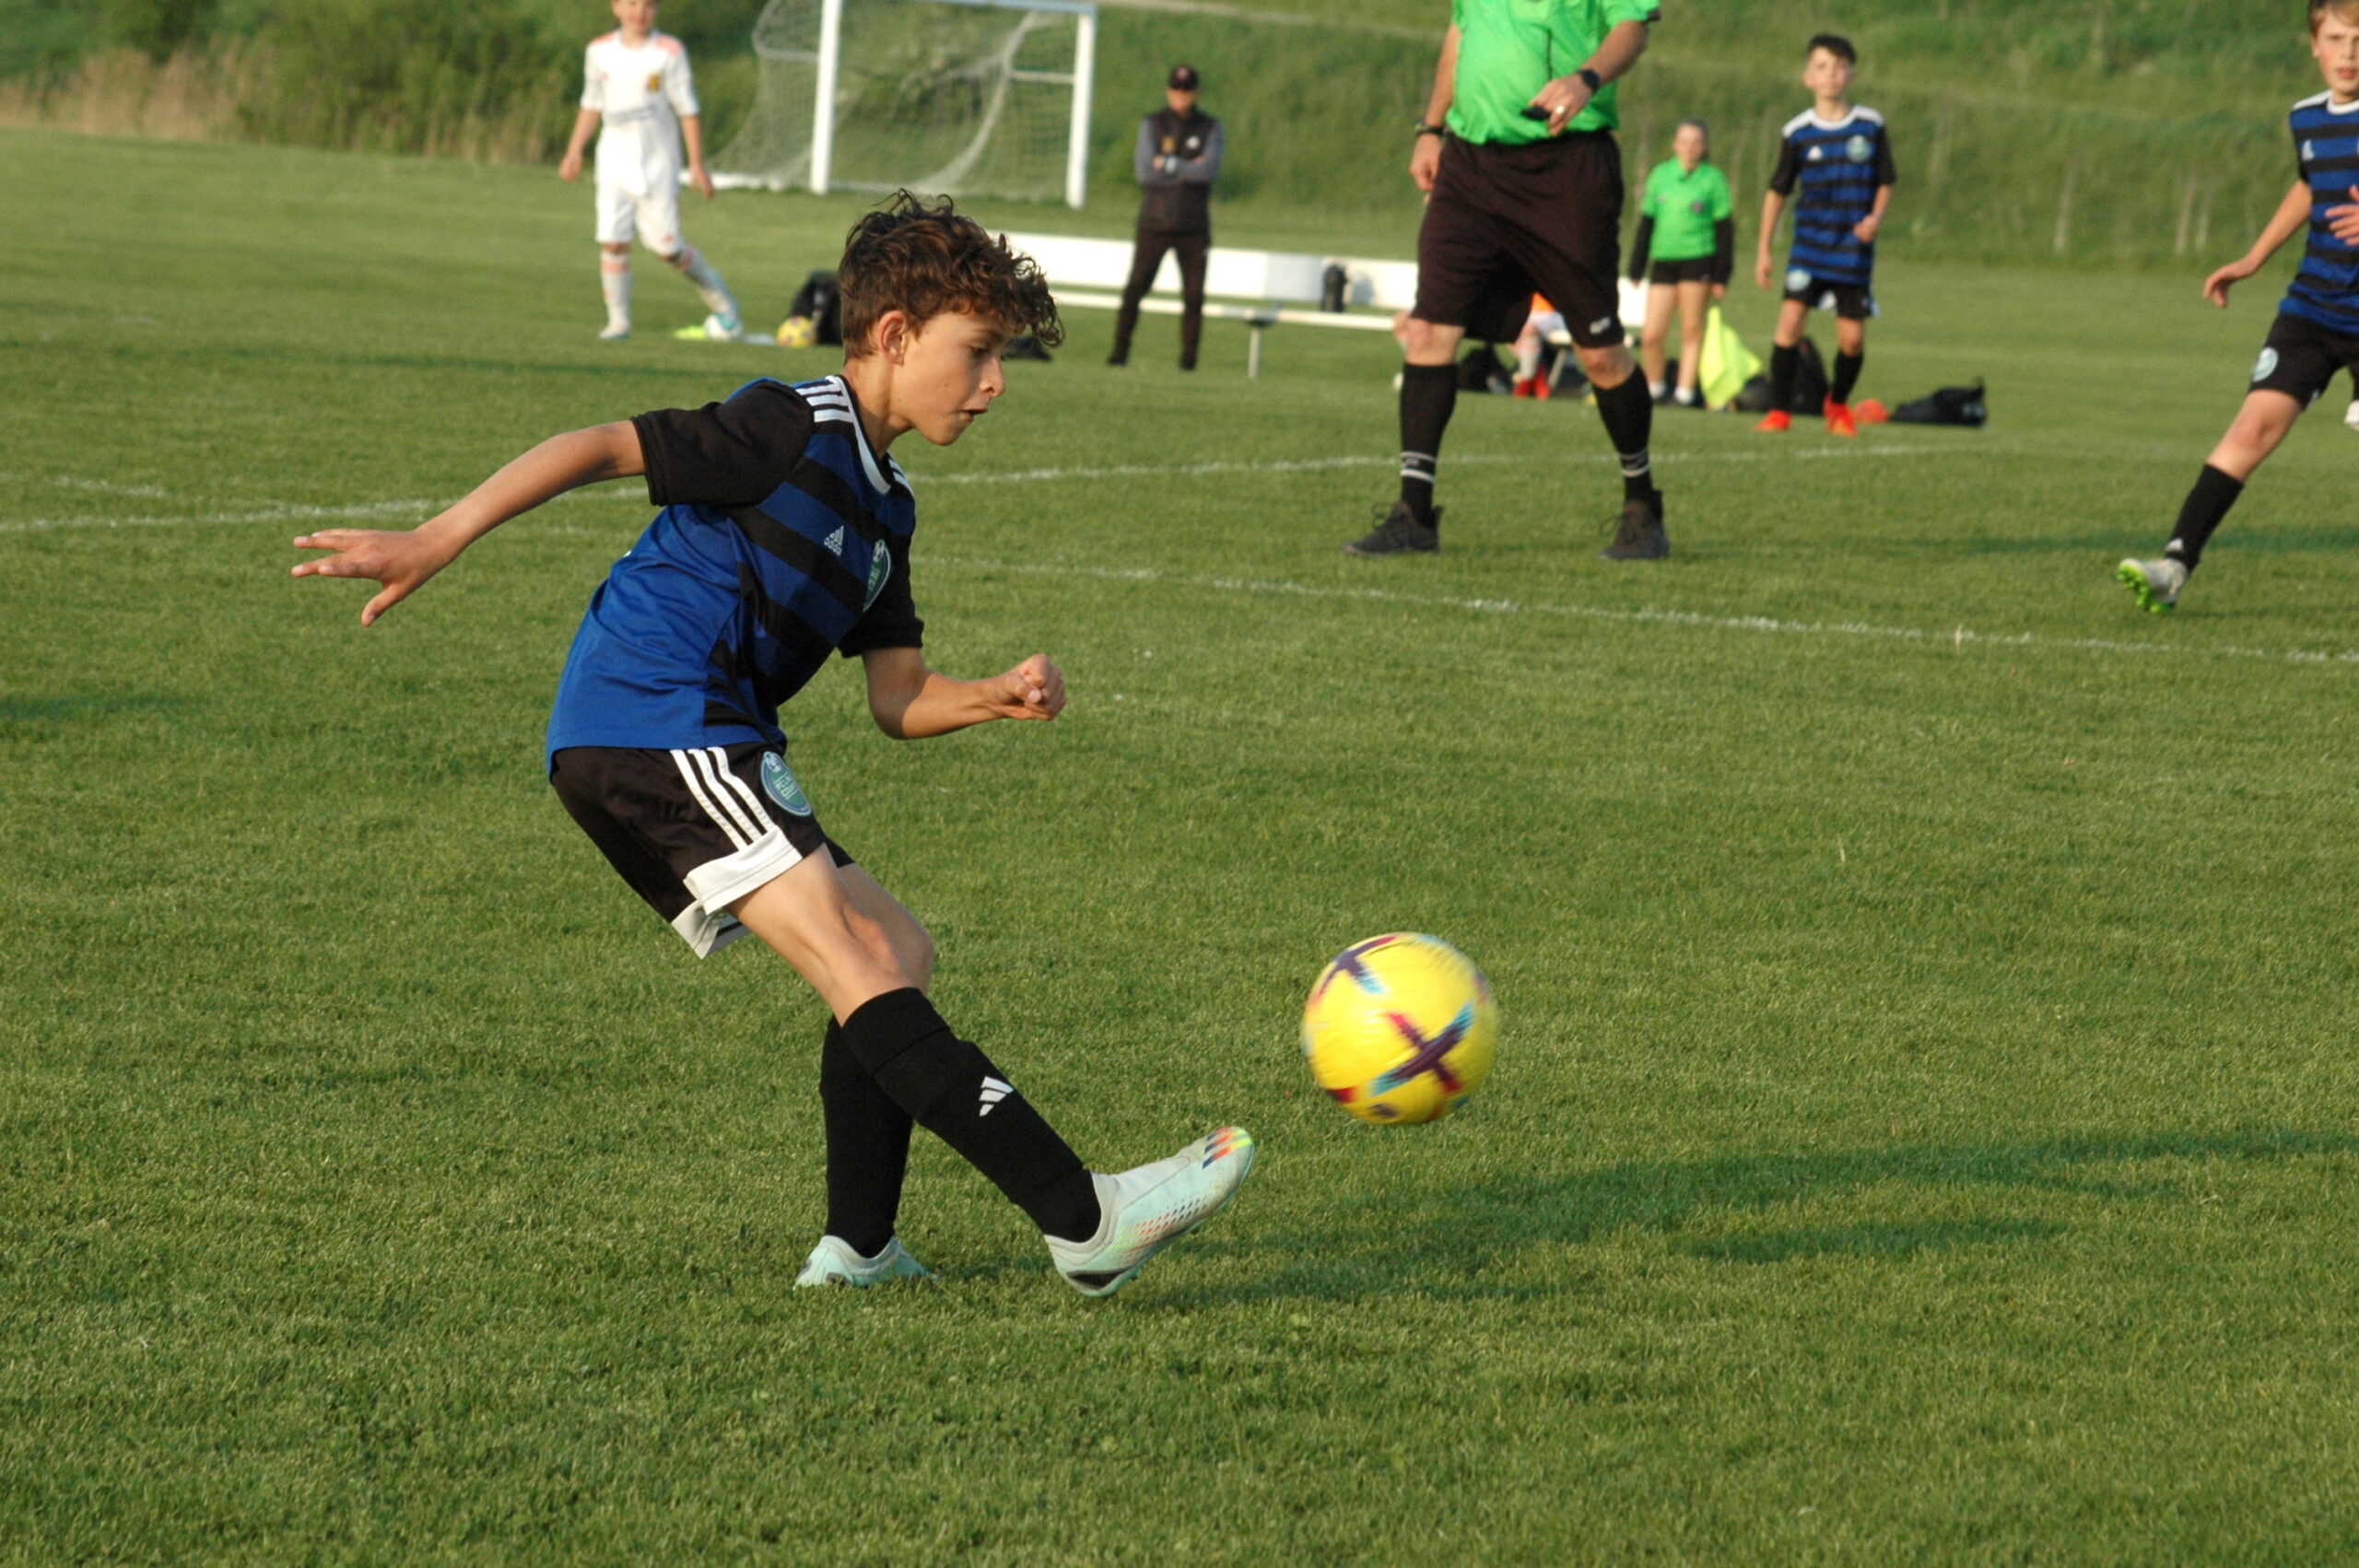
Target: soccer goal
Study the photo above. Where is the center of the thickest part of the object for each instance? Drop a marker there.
(973, 98)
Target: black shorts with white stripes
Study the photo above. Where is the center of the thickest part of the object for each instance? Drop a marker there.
(693, 830)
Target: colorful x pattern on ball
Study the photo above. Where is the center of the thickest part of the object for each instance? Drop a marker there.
(1426, 1055)
(1348, 962)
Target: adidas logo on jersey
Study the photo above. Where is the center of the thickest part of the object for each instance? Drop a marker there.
(994, 1091)
(836, 543)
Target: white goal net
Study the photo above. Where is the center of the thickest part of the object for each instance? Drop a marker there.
(980, 98)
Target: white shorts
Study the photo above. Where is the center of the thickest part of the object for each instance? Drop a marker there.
(653, 218)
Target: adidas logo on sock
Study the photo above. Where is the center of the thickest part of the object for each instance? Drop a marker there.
(836, 543)
(993, 1092)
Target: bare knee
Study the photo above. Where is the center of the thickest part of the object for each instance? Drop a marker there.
(1428, 343)
(1607, 367)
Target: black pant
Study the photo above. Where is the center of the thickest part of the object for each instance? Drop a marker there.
(1146, 257)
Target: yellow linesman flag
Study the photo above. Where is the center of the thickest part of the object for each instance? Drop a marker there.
(1726, 363)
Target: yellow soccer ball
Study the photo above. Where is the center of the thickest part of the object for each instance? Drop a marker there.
(1400, 1028)
(800, 332)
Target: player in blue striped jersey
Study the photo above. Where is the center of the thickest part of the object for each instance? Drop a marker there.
(1839, 157)
(2317, 330)
(784, 537)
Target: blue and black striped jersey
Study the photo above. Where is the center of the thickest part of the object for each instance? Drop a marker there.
(2325, 141)
(784, 538)
(1839, 164)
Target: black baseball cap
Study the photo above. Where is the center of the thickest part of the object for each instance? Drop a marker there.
(1183, 78)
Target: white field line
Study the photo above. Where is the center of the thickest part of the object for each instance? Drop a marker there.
(1958, 637)
(290, 511)
(286, 511)
(1323, 464)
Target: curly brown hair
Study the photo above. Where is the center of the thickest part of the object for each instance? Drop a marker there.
(925, 259)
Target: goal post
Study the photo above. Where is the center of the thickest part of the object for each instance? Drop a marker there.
(980, 98)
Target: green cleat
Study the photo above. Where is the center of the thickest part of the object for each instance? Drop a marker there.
(2156, 583)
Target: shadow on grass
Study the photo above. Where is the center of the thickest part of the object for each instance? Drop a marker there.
(1440, 1243)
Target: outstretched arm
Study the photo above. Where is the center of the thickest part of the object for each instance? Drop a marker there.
(911, 702)
(2292, 215)
(401, 562)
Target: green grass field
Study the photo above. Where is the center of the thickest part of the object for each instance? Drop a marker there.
(1923, 1125)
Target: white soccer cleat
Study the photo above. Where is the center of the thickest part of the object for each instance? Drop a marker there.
(1143, 1210)
(616, 331)
(2155, 583)
(833, 1263)
(718, 328)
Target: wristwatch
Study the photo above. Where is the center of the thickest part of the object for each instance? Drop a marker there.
(1425, 130)
(1591, 78)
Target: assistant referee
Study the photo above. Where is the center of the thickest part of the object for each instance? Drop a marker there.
(1523, 182)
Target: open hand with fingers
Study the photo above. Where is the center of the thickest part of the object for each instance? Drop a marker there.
(398, 562)
(1034, 689)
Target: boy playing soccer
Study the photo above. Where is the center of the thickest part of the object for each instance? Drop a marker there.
(2317, 330)
(785, 536)
(636, 95)
(1840, 156)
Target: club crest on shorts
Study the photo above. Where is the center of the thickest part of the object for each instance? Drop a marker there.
(880, 566)
(2266, 366)
(780, 785)
(1796, 280)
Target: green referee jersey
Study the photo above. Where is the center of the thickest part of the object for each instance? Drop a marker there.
(1685, 207)
(1508, 50)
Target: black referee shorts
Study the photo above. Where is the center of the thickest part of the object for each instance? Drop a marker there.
(692, 830)
(1506, 221)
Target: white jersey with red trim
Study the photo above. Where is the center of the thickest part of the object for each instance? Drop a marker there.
(641, 93)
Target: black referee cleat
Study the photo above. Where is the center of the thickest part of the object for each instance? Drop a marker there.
(1642, 536)
(1399, 533)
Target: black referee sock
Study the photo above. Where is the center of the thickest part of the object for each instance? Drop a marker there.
(1784, 365)
(868, 1149)
(2206, 504)
(1428, 396)
(1847, 375)
(1629, 415)
(950, 1088)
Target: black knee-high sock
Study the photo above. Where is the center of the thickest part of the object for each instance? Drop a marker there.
(950, 1088)
(1784, 364)
(1847, 374)
(2206, 504)
(1629, 415)
(868, 1149)
(1428, 395)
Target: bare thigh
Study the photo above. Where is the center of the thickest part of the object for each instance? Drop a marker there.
(841, 942)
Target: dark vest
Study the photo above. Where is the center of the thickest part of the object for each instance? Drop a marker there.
(1179, 209)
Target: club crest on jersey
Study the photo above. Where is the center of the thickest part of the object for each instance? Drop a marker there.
(880, 566)
(2266, 366)
(1858, 149)
(779, 784)
(654, 81)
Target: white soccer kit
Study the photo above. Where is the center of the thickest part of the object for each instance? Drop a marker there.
(640, 93)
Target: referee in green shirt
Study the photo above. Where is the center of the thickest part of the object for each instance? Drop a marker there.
(1524, 185)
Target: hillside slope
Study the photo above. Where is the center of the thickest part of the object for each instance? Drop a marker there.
(2104, 133)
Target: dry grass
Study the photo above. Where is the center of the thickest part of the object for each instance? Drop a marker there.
(194, 96)
(234, 91)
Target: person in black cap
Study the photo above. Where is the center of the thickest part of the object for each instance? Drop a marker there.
(1177, 158)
